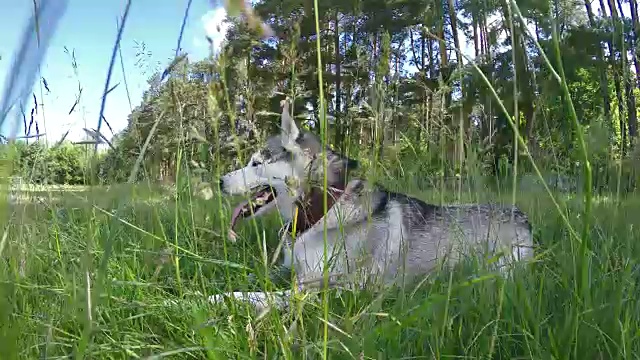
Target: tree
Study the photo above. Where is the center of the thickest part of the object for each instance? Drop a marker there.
(392, 69)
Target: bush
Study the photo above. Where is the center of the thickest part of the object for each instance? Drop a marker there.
(38, 164)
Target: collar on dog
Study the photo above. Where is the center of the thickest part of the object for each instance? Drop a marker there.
(311, 207)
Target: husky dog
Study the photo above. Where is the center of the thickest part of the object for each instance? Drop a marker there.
(368, 234)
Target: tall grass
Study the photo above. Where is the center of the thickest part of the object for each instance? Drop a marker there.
(125, 272)
(141, 311)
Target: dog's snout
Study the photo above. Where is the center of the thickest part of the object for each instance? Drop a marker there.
(221, 185)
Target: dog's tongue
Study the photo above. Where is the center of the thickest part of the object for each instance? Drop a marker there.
(236, 213)
(234, 219)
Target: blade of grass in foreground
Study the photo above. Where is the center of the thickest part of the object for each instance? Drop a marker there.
(26, 62)
(112, 62)
(19, 82)
(323, 137)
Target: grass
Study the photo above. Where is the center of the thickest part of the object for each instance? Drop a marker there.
(138, 306)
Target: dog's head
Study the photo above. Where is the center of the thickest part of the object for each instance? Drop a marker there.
(278, 174)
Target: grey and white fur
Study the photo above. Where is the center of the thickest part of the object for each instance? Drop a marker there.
(373, 236)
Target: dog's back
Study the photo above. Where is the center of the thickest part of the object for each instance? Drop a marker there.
(375, 233)
(437, 234)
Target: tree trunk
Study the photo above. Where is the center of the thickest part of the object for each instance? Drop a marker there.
(616, 74)
(487, 59)
(632, 120)
(461, 120)
(633, 128)
(338, 109)
(525, 97)
(444, 59)
(604, 83)
(474, 24)
(432, 75)
(454, 31)
(423, 71)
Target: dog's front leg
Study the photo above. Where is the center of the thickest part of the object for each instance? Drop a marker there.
(258, 299)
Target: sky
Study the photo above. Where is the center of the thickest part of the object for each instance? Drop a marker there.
(88, 29)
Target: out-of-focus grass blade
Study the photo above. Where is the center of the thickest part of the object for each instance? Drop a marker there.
(28, 58)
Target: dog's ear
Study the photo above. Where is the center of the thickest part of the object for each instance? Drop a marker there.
(289, 130)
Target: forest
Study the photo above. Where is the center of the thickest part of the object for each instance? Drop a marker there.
(446, 82)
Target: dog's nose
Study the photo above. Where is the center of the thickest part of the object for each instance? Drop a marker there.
(221, 185)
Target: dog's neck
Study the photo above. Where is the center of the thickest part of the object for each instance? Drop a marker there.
(311, 206)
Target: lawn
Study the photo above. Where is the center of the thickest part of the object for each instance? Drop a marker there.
(124, 272)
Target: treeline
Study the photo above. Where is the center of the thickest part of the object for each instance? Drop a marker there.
(68, 163)
(63, 164)
(39, 164)
(397, 90)
(399, 93)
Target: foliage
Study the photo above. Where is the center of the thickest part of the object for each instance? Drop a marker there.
(388, 79)
(64, 164)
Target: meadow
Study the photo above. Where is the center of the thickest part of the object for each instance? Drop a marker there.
(124, 272)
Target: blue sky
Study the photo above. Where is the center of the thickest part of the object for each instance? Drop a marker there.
(88, 29)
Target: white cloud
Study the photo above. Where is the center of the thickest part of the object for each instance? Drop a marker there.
(215, 26)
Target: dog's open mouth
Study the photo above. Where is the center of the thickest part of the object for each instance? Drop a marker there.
(261, 197)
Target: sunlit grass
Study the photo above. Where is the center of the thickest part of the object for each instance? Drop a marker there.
(140, 312)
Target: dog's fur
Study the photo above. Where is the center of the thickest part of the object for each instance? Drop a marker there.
(371, 234)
